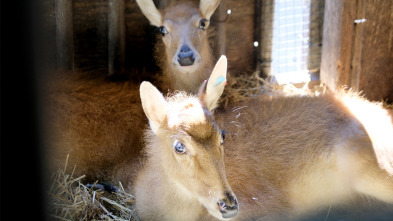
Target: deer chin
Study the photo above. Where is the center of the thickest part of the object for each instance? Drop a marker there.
(189, 69)
(213, 209)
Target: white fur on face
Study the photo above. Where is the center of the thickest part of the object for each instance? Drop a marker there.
(188, 111)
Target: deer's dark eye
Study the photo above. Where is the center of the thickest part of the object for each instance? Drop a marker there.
(163, 30)
(202, 24)
(223, 132)
(179, 147)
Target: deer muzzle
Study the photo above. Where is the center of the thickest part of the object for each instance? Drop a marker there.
(186, 56)
(228, 206)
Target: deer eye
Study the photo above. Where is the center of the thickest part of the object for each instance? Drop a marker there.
(179, 147)
(163, 30)
(202, 24)
(223, 132)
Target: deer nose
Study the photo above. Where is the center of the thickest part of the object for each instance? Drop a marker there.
(186, 56)
(228, 207)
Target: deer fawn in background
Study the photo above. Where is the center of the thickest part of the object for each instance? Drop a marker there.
(280, 158)
(187, 60)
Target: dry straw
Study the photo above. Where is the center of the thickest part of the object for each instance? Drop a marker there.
(69, 199)
(247, 86)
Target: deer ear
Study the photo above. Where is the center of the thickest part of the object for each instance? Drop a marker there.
(207, 7)
(153, 104)
(216, 84)
(150, 11)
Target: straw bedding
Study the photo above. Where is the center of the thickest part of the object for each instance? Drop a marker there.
(70, 199)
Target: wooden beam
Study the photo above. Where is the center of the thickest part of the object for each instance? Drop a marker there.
(357, 47)
(257, 34)
(220, 18)
(116, 37)
(64, 34)
(337, 49)
(266, 37)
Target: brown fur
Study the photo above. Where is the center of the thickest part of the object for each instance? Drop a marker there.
(182, 22)
(97, 122)
(300, 154)
(284, 157)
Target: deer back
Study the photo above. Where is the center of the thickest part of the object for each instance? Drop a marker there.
(98, 123)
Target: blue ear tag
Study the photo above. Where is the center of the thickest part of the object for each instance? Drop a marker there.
(219, 80)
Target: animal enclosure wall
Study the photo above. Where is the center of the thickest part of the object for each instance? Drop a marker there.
(90, 35)
(358, 47)
(110, 36)
(357, 55)
(88, 32)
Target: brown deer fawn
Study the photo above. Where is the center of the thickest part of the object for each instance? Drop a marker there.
(282, 157)
(186, 59)
(98, 123)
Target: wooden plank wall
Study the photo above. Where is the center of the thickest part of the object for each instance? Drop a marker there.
(376, 59)
(91, 35)
(93, 44)
(48, 24)
(359, 55)
(240, 36)
(64, 34)
(116, 37)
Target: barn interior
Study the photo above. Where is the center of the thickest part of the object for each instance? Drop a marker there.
(335, 43)
(312, 43)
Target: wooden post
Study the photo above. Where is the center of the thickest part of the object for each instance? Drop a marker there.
(64, 34)
(315, 38)
(116, 37)
(357, 47)
(266, 37)
(337, 50)
(221, 36)
(257, 34)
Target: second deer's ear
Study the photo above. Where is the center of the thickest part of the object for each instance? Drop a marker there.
(150, 11)
(154, 105)
(211, 91)
(207, 7)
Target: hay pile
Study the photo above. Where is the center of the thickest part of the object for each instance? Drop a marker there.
(243, 87)
(246, 86)
(69, 199)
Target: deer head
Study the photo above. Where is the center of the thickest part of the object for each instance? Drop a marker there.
(183, 29)
(191, 144)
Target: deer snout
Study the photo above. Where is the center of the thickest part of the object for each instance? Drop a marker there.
(186, 56)
(228, 206)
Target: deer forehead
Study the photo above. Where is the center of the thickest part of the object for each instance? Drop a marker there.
(184, 24)
(186, 112)
(181, 12)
